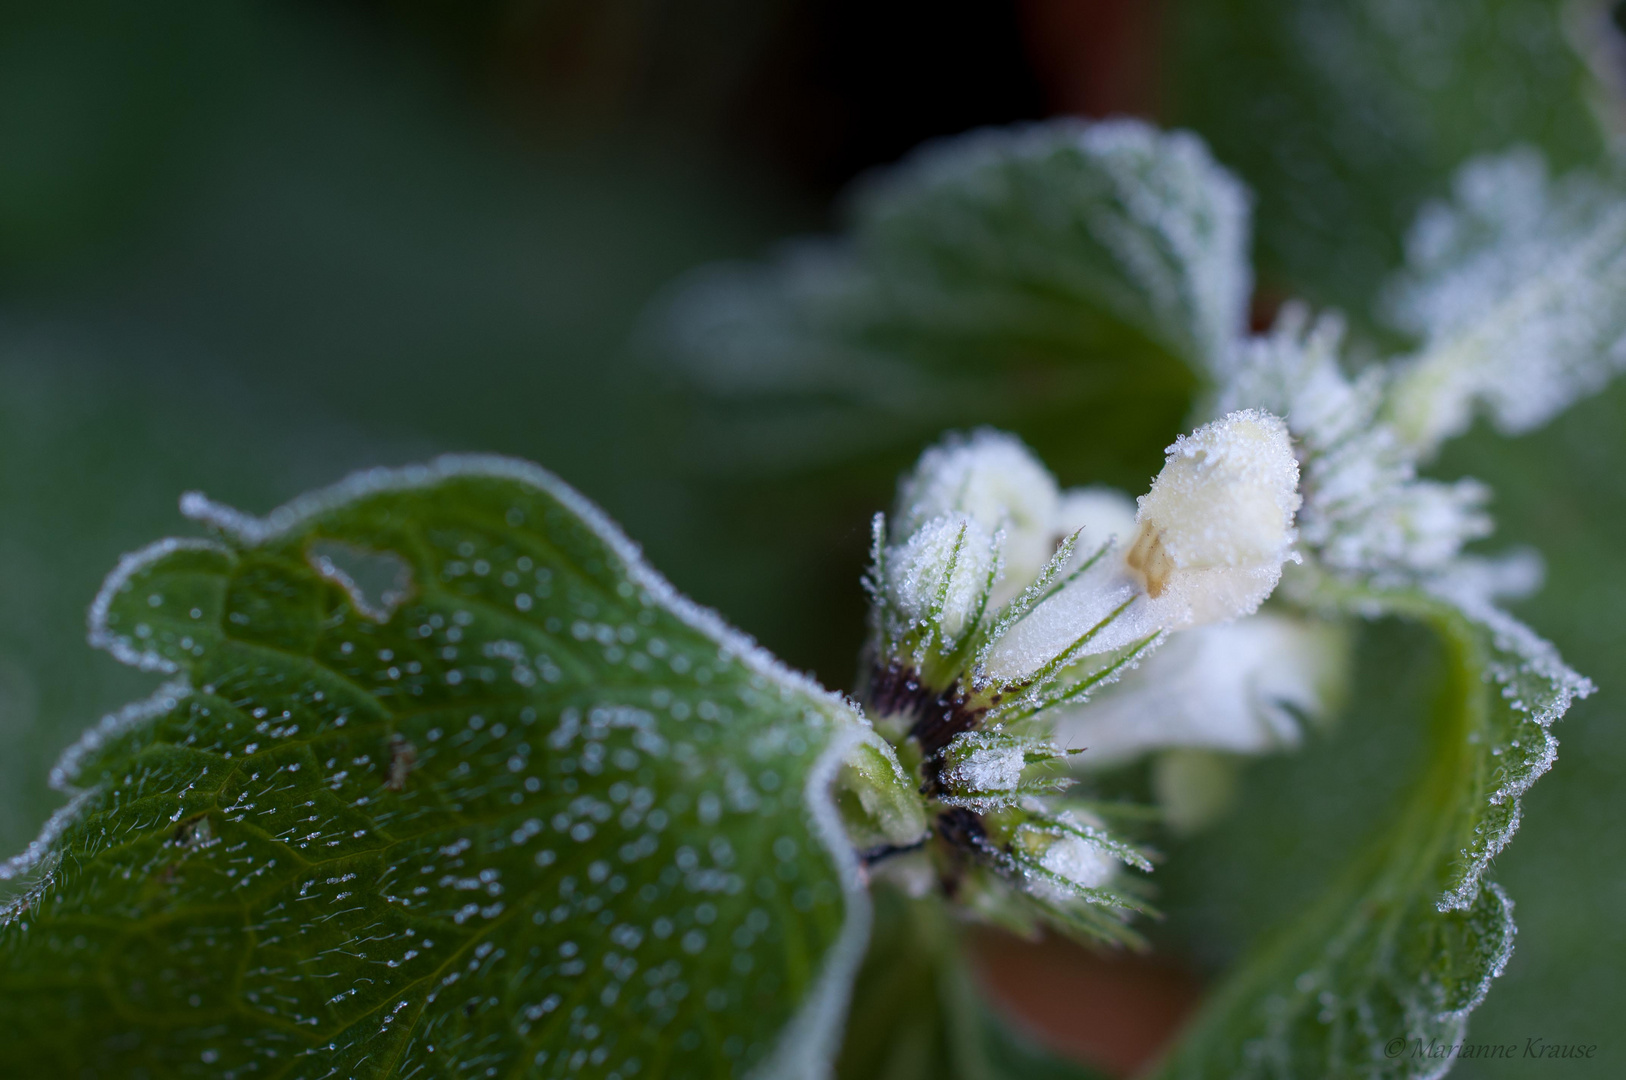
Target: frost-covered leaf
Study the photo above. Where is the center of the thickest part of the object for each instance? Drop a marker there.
(1096, 261)
(1405, 944)
(1517, 290)
(446, 782)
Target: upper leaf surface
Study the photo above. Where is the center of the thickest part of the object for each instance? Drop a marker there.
(451, 784)
(1405, 944)
(1102, 262)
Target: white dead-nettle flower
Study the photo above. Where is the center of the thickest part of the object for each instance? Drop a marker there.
(938, 578)
(1218, 522)
(1241, 687)
(993, 479)
(1211, 537)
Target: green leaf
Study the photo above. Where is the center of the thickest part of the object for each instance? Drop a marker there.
(1343, 117)
(448, 782)
(1514, 289)
(1022, 276)
(1404, 945)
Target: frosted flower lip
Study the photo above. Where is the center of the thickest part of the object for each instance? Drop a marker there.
(1211, 537)
(1224, 502)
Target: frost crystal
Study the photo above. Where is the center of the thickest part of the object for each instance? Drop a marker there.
(1517, 289)
(991, 478)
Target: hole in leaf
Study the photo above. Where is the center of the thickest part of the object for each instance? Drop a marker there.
(193, 832)
(377, 582)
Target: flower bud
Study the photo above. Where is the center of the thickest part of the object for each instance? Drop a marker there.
(938, 578)
(1079, 862)
(996, 481)
(1072, 852)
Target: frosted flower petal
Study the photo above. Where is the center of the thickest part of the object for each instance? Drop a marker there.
(1210, 542)
(1239, 687)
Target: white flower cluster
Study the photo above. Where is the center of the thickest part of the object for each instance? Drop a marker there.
(984, 549)
(1004, 603)
(1025, 633)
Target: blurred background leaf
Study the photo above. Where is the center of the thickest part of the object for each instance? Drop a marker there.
(1344, 115)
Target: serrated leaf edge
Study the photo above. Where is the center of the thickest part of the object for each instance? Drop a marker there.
(1498, 963)
(1568, 685)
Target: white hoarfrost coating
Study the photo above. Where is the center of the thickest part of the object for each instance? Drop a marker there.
(995, 480)
(947, 561)
(1210, 540)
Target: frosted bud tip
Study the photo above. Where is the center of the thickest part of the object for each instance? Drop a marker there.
(1218, 523)
(940, 575)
